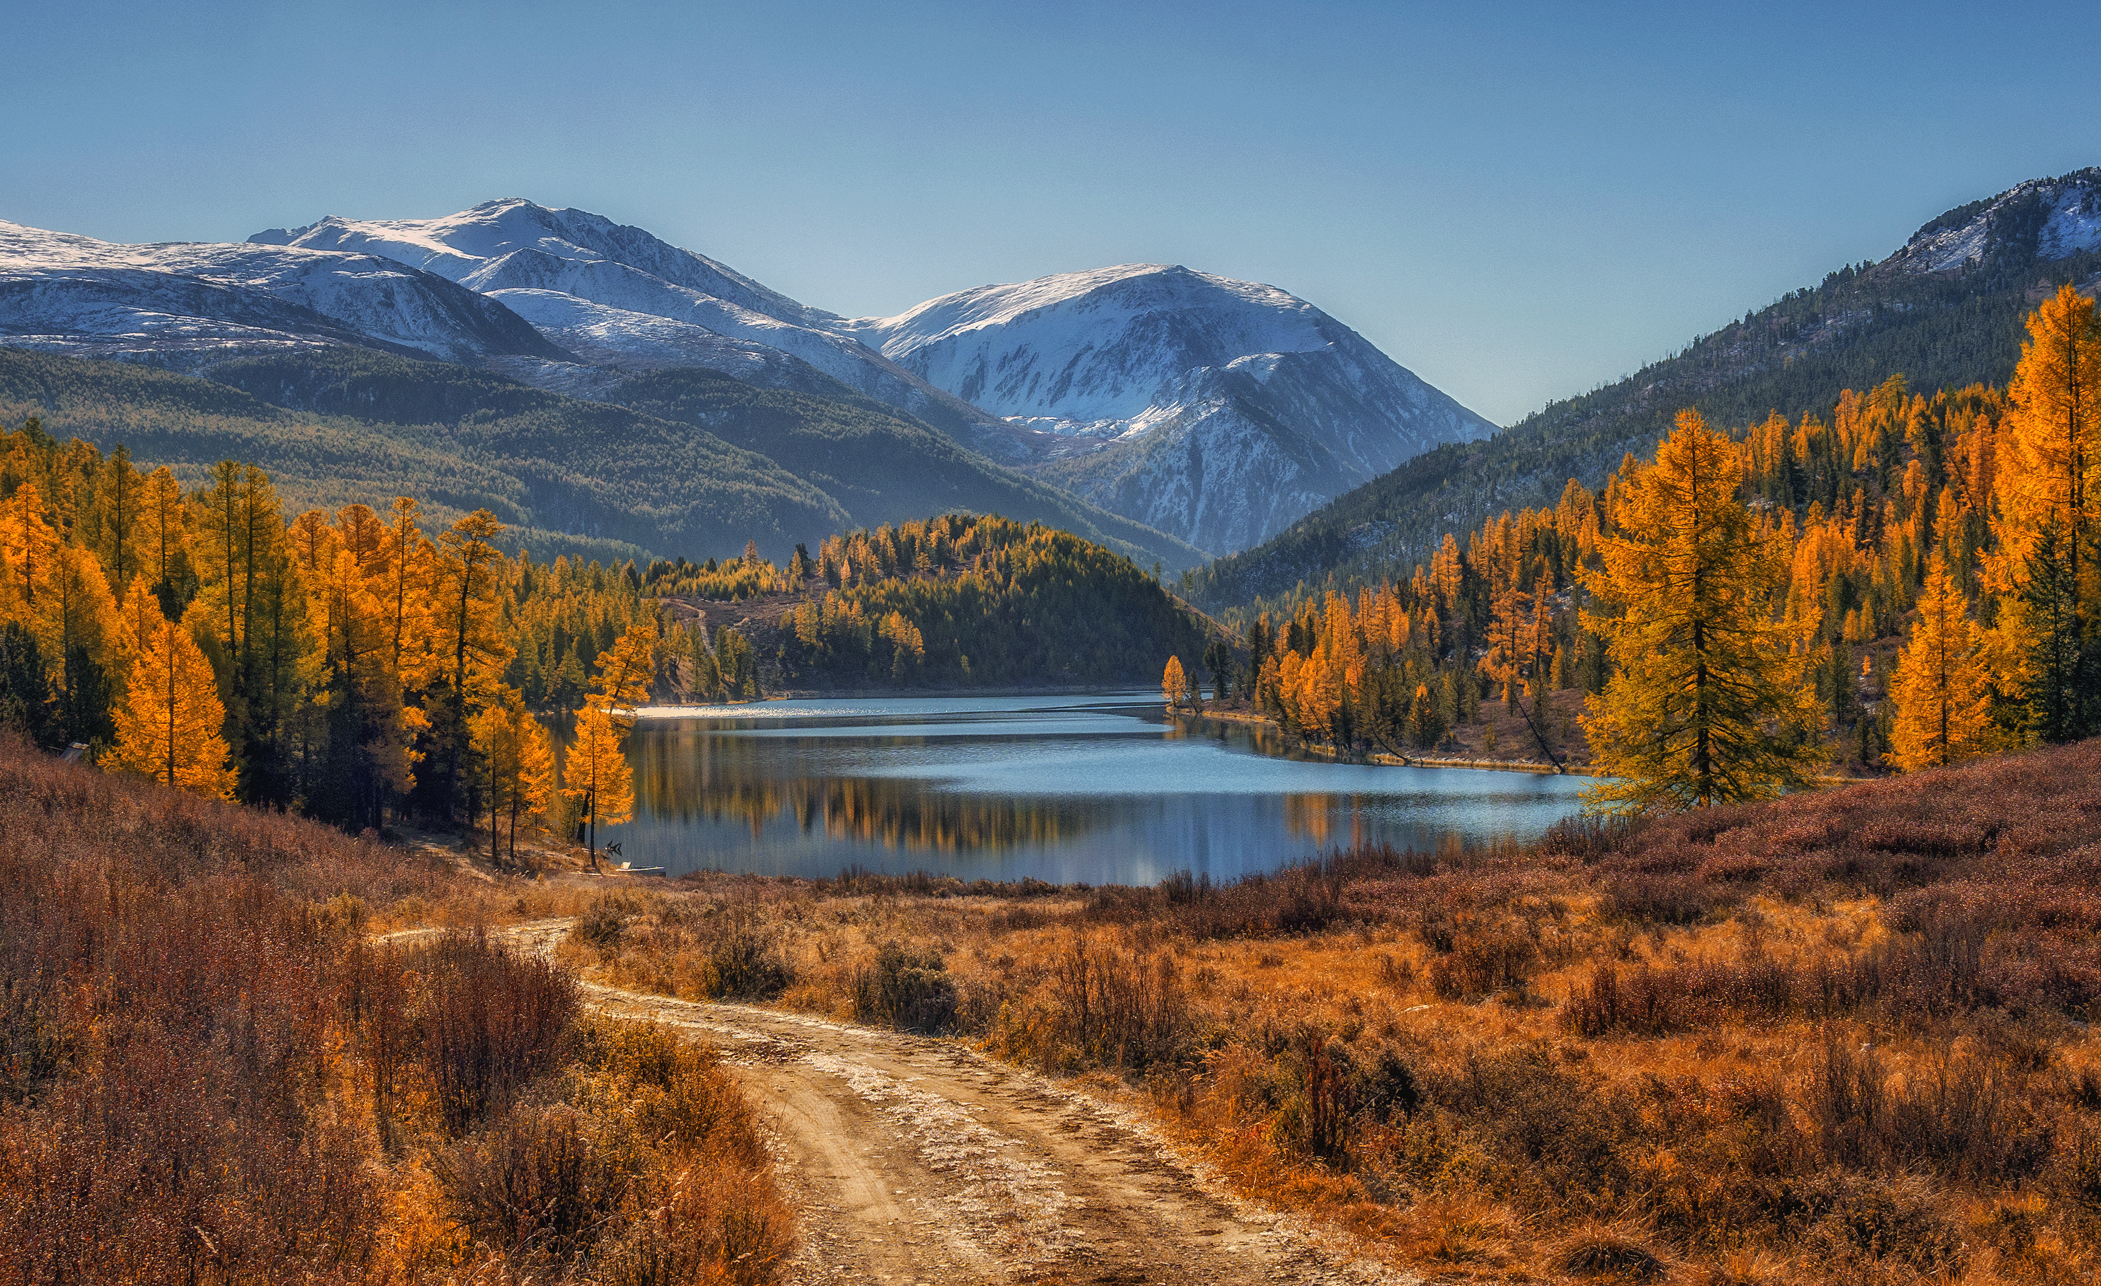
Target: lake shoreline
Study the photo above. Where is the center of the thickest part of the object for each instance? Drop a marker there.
(1386, 760)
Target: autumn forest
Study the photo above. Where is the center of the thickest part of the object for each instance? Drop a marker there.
(1908, 582)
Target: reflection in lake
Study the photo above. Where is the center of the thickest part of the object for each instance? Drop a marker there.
(1098, 789)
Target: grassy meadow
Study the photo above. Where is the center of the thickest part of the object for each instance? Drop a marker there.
(1841, 1037)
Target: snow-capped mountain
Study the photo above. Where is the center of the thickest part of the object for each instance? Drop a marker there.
(508, 248)
(68, 293)
(2047, 218)
(1217, 410)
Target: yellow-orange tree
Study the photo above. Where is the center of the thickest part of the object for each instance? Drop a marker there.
(169, 725)
(517, 762)
(1943, 708)
(597, 775)
(2050, 518)
(1172, 681)
(1710, 705)
(464, 656)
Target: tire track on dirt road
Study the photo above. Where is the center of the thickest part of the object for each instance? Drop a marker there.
(912, 1159)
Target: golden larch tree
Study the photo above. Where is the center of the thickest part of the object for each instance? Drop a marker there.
(118, 489)
(517, 758)
(596, 775)
(1172, 681)
(2049, 515)
(624, 671)
(1943, 705)
(2053, 427)
(162, 532)
(1710, 704)
(28, 543)
(466, 652)
(169, 726)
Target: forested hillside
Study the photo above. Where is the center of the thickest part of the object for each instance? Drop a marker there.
(1899, 581)
(678, 462)
(1945, 311)
(571, 477)
(954, 600)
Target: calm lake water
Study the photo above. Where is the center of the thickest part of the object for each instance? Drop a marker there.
(1098, 789)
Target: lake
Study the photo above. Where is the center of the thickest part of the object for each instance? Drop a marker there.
(1095, 789)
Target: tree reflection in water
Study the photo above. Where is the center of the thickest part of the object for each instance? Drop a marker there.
(1092, 789)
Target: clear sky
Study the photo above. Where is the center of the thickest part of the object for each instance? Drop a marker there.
(1517, 202)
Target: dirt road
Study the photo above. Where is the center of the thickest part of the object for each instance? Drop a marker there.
(915, 1160)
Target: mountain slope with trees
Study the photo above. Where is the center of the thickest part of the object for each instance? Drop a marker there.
(574, 477)
(696, 463)
(1945, 311)
(883, 466)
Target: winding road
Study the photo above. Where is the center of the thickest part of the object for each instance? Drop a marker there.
(912, 1159)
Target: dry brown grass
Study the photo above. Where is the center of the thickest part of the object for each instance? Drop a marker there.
(1840, 1038)
(210, 1073)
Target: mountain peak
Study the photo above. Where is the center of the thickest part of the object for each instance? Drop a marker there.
(1222, 409)
(1129, 291)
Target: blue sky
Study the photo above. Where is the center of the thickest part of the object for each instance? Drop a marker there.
(1518, 202)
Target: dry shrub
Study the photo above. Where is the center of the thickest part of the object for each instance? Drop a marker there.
(169, 1039)
(744, 960)
(1459, 1234)
(1317, 1116)
(1856, 1219)
(1664, 899)
(1483, 964)
(905, 989)
(605, 921)
(1609, 1253)
(674, 1091)
(1589, 837)
(1551, 1134)
(491, 1021)
(1115, 1008)
(707, 1229)
(1655, 1001)
(1966, 1116)
(1300, 897)
(34, 1043)
(706, 1210)
(2075, 1172)
(541, 1184)
(190, 1023)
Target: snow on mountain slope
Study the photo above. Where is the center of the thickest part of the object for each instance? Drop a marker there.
(76, 292)
(2052, 218)
(458, 246)
(1215, 407)
(514, 245)
(617, 337)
